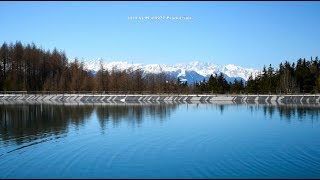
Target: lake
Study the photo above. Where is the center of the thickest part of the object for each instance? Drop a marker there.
(161, 140)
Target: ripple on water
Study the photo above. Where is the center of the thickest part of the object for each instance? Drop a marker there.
(153, 153)
(199, 148)
(251, 163)
(30, 144)
(304, 159)
(23, 156)
(236, 160)
(308, 155)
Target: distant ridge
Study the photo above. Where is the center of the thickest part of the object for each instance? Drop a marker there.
(194, 71)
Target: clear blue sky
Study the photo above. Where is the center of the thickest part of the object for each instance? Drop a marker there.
(248, 34)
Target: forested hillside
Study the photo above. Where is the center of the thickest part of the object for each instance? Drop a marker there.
(30, 68)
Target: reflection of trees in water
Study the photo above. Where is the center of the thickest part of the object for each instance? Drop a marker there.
(289, 111)
(269, 110)
(133, 114)
(28, 122)
(221, 108)
(301, 112)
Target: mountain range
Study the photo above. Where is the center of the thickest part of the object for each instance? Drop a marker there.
(192, 72)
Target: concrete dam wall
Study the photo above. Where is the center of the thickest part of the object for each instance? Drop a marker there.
(110, 98)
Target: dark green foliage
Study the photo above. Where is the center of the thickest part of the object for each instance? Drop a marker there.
(252, 85)
(302, 77)
(216, 84)
(237, 87)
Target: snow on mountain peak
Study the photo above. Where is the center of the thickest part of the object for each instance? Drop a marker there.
(182, 73)
(153, 68)
(181, 70)
(231, 67)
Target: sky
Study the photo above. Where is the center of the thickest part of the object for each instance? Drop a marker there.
(248, 34)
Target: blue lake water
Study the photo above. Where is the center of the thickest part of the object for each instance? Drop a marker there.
(159, 141)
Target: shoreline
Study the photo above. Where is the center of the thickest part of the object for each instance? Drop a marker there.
(107, 98)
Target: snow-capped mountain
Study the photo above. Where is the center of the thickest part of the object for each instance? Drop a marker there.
(192, 72)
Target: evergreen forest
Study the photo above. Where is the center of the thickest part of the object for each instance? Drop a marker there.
(32, 69)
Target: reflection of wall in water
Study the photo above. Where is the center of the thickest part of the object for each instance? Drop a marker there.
(133, 114)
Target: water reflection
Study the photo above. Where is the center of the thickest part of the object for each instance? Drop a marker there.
(133, 114)
(287, 111)
(23, 123)
(290, 111)
(27, 122)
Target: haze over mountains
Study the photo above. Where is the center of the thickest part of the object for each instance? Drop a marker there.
(192, 72)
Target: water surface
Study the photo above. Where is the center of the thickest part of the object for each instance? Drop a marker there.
(159, 141)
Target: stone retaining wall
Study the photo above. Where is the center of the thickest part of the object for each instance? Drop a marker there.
(107, 98)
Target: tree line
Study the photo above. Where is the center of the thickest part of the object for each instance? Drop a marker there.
(300, 77)
(30, 68)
